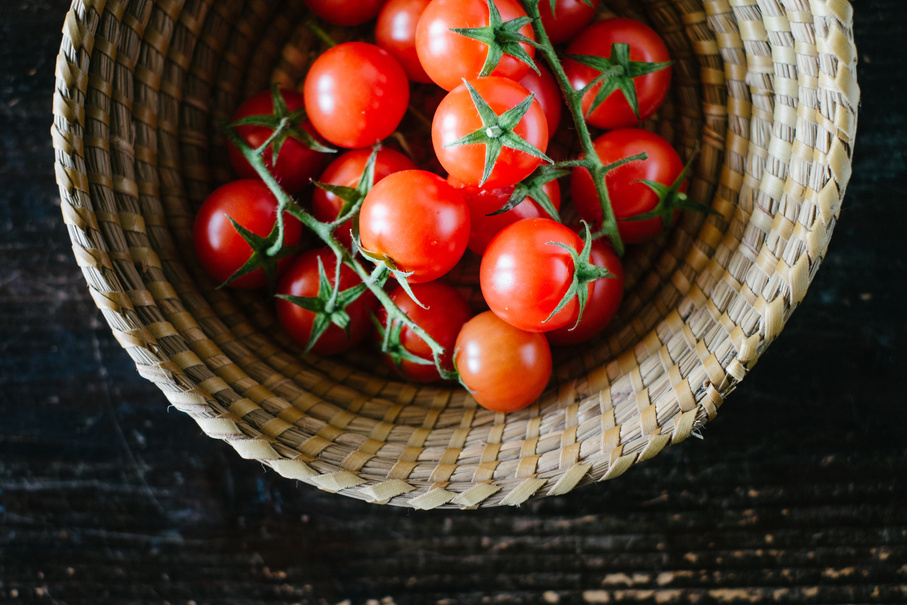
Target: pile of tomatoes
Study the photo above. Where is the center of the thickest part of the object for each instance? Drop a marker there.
(353, 221)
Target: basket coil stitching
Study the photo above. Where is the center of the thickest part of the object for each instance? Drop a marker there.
(768, 89)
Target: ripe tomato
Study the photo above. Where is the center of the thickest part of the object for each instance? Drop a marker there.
(457, 117)
(605, 296)
(417, 222)
(629, 198)
(355, 94)
(395, 32)
(524, 275)
(547, 93)
(220, 248)
(484, 202)
(346, 171)
(569, 18)
(444, 313)
(645, 46)
(345, 12)
(302, 279)
(296, 163)
(449, 57)
(504, 368)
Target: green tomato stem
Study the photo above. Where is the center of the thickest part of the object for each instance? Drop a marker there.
(574, 101)
(325, 231)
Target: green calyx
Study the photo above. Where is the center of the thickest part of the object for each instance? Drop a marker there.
(584, 272)
(392, 346)
(534, 187)
(353, 196)
(329, 305)
(670, 198)
(502, 38)
(496, 131)
(266, 253)
(285, 124)
(616, 73)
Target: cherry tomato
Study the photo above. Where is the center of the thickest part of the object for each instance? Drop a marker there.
(296, 163)
(605, 296)
(345, 12)
(456, 117)
(629, 198)
(417, 221)
(347, 171)
(395, 32)
(220, 248)
(569, 18)
(547, 93)
(449, 57)
(444, 313)
(504, 368)
(302, 280)
(524, 275)
(645, 46)
(484, 202)
(355, 94)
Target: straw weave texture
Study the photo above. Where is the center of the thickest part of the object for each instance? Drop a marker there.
(767, 88)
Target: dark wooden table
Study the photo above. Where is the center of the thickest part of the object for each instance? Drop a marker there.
(795, 494)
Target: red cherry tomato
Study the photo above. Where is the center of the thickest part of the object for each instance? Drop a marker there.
(629, 198)
(418, 221)
(449, 57)
(456, 117)
(302, 280)
(569, 18)
(355, 94)
(547, 93)
(296, 162)
(524, 275)
(504, 368)
(346, 171)
(395, 32)
(645, 46)
(604, 300)
(345, 12)
(484, 202)
(444, 313)
(220, 248)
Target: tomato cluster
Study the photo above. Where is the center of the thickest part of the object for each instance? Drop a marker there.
(352, 209)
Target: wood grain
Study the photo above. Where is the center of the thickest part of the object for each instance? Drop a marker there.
(800, 504)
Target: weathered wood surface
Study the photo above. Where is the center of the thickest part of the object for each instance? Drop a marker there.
(796, 493)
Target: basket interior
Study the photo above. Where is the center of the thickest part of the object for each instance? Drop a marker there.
(766, 90)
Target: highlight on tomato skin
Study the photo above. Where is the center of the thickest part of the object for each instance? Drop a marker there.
(347, 171)
(449, 57)
(417, 222)
(504, 368)
(527, 271)
(355, 94)
(395, 32)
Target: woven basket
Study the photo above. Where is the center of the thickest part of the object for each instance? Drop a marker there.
(766, 88)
